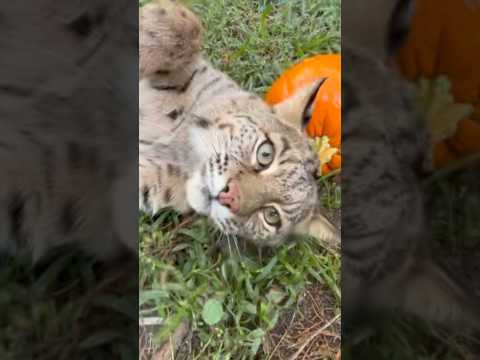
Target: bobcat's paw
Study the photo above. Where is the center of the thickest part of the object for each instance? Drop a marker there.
(169, 37)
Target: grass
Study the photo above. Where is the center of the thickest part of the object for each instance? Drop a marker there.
(255, 41)
(410, 339)
(68, 306)
(182, 271)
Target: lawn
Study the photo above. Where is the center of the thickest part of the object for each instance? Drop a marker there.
(68, 306)
(455, 218)
(237, 302)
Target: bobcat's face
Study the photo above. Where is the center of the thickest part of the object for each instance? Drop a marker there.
(255, 176)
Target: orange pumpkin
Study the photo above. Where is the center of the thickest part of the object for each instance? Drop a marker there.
(326, 112)
(450, 47)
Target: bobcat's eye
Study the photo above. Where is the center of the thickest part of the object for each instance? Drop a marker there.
(265, 154)
(272, 217)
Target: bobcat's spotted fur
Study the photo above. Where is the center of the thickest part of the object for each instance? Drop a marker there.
(201, 137)
(68, 132)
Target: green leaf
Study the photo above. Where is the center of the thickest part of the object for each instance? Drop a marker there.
(148, 295)
(257, 338)
(248, 307)
(275, 295)
(267, 269)
(98, 339)
(212, 311)
(121, 305)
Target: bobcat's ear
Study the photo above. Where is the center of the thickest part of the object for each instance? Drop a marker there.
(296, 110)
(399, 26)
(322, 229)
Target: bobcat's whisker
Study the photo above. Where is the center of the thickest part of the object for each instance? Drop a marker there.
(229, 245)
(236, 244)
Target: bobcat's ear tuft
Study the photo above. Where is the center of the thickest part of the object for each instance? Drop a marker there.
(399, 25)
(296, 109)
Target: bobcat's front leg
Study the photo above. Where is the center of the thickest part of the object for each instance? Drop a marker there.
(162, 185)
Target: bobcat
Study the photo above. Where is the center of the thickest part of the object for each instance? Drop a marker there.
(387, 262)
(208, 146)
(68, 144)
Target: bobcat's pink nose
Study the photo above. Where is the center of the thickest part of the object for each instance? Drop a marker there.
(230, 196)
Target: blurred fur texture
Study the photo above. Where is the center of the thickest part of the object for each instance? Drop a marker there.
(68, 144)
(387, 262)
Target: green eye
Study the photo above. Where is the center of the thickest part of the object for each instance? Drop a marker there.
(265, 154)
(272, 217)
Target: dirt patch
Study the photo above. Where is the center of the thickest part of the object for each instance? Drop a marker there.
(311, 331)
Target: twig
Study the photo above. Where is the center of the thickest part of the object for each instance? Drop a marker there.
(313, 336)
(314, 304)
(331, 174)
(169, 349)
(277, 346)
(149, 321)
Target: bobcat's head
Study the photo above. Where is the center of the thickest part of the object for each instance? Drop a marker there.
(255, 176)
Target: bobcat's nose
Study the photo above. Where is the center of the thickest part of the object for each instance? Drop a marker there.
(230, 196)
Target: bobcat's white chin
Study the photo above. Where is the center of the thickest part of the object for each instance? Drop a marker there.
(218, 212)
(201, 194)
(197, 194)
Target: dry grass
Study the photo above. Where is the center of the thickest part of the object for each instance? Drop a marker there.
(311, 331)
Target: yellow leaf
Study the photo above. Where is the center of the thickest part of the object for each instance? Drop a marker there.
(324, 150)
(437, 104)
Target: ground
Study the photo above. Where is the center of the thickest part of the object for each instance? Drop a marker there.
(311, 330)
(271, 304)
(68, 307)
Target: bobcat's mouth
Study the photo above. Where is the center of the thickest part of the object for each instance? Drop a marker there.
(202, 196)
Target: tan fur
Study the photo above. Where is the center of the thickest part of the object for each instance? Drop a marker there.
(196, 118)
(169, 36)
(67, 149)
(388, 262)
